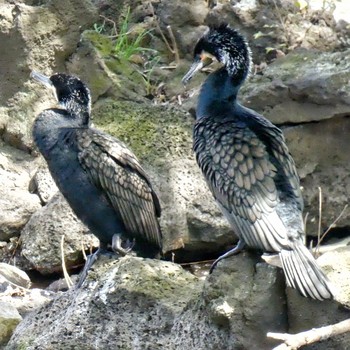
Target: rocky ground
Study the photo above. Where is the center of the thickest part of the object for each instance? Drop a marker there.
(300, 82)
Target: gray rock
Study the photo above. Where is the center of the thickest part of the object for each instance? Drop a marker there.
(23, 299)
(336, 264)
(320, 152)
(150, 304)
(26, 300)
(29, 43)
(301, 87)
(15, 275)
(10, 252)
(130, 304)
(41, 237)
(16, 203)
(4, 284)
(43, 184)
(61, 285)
(9, 319)
(239, 303)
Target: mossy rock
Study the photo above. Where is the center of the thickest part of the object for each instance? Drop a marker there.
(154, 133)
(106, 49)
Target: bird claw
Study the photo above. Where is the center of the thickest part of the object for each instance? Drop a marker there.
(117, 245)
(129, 245)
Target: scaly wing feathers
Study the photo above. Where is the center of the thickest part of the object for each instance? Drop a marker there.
(117, 171)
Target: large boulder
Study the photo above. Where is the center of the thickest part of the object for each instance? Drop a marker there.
(139, 303)
(304, 86)
(319, 150)
(118, 307)
(34, 37)
(42, 237)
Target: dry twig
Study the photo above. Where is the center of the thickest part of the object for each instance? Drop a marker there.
(83, 251)
(172, 48)
(333, 223)
(65, 273)
(114, 26)
(319, 216)
(295, 341)
(320, 237)
(173, 41)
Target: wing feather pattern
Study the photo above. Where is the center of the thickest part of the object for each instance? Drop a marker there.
(241, 173)
(115, 169)
(253, 178)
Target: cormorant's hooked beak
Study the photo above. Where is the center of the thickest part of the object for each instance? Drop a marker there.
(196, 66)
(201, 61)
(41, 78)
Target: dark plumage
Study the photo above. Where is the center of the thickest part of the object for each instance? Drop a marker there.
(99, 176)
(247, 165)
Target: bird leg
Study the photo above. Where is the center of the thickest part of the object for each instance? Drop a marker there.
(238, 248)
(90, 260)
(117, 245)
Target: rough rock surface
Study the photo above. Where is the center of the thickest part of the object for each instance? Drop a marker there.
(132, 306)
(34, 37)
(239, 303)
(16, 203)
(43, 184)
(9, 319)
(278, 25)
(25, 300)
(135, 303)
(14, 275)
(41, 237)
(303, 86)
(320, 152)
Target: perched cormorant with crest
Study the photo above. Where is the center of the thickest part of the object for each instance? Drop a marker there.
(99, 176)
(247, 165)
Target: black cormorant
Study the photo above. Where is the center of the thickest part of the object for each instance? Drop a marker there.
(99, 176)
(247, 165)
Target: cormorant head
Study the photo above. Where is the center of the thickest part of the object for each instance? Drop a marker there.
(227, 46)
(71, 93)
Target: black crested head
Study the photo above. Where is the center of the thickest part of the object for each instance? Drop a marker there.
(228, 46)
(71, 93)
(69, 87)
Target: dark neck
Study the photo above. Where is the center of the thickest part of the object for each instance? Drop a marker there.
(81, 112)
(218, 94)
(50, 127)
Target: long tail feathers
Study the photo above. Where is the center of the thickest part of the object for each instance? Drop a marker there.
(303, 273)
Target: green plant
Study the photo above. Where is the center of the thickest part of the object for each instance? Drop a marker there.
(99, 28)
(125, 45)
(147, 77)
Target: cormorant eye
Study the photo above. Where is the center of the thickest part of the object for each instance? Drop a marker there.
(207, 58)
